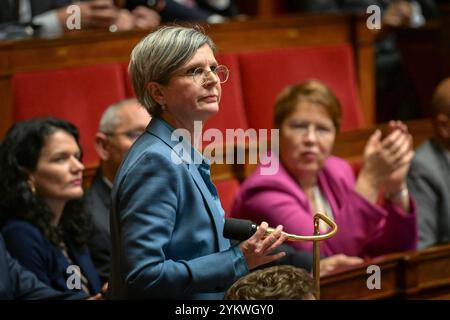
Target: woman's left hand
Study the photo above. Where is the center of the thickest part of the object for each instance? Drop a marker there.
(401, 152)
(258, 247)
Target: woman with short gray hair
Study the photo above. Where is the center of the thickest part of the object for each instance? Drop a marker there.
(167, 220)
(157, 57)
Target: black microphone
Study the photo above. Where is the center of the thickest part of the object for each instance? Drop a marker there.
(242, 229)
(239, 229)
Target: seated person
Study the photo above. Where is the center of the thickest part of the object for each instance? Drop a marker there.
(429, 176)
(43, 223)
(396, 94)
(120, 125)
(273, 283)
(17, 283)
(212, 11)
(53, 16)
(310, 180)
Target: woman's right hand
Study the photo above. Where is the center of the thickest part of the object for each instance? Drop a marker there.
(94, 14)
(383, 159)
(256, 249)
(377, 164)
(338, 262)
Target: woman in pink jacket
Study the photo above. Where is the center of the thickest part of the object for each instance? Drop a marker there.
(375, 213)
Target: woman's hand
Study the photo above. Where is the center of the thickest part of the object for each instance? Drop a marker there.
(401, 152)
(398, 13)
(337, 262)
(257, 248)
(386, 162)
(146, 18)
(125, 20)
(376, 168)
(98, 13)
(98, 296)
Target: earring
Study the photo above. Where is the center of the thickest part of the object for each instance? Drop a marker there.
(32, 187)
(163, 107)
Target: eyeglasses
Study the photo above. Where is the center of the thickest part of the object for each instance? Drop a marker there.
(131, 134)
(201, 76)
(320, 131)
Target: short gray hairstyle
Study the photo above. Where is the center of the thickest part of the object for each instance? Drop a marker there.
(159, 55)
(109, 120)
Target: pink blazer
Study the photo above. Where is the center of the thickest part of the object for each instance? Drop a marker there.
(365, 229)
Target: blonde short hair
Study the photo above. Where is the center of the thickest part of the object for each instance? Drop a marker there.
(312, 91)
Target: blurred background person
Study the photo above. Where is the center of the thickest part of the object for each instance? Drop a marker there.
(429, 175)
(396, 94)
(53, 16)
(43, 223)
(311, 180)
(120, 125)
(282, 282)
(212, 11)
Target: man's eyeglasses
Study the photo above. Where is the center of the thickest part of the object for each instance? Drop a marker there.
(202, 76)
(131, 134)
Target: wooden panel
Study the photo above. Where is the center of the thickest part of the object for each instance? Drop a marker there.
(352, 283)
(423, 274)
(428, 273)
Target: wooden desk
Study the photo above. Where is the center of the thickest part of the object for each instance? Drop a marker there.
(423, 274)
(94, 47)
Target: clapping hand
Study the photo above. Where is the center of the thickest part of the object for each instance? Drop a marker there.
(386, 161)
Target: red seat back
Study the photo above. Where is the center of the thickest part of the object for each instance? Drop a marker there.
(231, 113)
(129, 90)
(227, 190)
(79, 95)
(265, 74)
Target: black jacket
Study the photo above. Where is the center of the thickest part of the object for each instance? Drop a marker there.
(18, 283)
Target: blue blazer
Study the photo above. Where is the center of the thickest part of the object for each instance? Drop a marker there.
(34, 251)
(166, 229)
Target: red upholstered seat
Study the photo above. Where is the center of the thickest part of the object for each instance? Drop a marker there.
(227, 190)
(231, 114)
(265, 73)
(79, 95)
(356, 166)
(129, 91)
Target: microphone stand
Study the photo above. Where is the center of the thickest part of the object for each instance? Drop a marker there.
(316, 247)
(316, 257)
(316, 238)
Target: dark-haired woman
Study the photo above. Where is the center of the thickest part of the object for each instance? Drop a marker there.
(43, 223)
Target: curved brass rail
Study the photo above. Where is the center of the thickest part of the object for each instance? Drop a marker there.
(316, 238)
(319, 237)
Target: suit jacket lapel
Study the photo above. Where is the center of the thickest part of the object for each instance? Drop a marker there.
(161, 130)
(217, 218)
